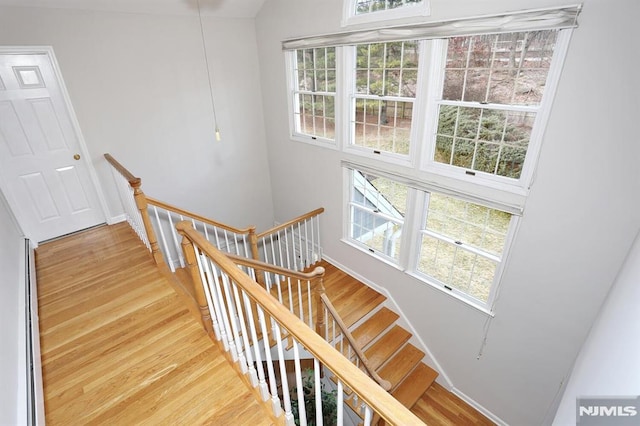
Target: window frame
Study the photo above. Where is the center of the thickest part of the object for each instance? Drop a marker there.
(518, 186)
(349, 17)
(349, 61)
(422, 207)
(351, 206)
(419, 171)
(293, 106)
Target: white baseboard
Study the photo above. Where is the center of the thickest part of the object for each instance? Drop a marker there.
(488, 414)
(116, 219)
(443, 378)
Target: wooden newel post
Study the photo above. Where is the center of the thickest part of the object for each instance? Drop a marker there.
(255, 253)
(318, 290)
(141, 204)
(192, 265)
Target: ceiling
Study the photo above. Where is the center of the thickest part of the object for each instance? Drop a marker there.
(219, 8)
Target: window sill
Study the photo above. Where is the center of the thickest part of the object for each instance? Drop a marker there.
(462, 299)
(373, 254)
(421, 278)
(317, 141)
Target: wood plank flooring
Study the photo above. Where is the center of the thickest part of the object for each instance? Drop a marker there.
(120, 347)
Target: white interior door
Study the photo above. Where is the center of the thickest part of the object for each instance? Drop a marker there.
(43, 173)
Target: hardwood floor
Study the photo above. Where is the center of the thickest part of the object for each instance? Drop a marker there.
(440, 407)
(120, 347)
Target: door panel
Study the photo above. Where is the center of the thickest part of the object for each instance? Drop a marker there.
(40, 196)
(50, 190)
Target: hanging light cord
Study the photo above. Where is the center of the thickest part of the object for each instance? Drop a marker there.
(206, 61)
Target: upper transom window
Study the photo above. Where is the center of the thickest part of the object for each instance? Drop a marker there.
(360, 11)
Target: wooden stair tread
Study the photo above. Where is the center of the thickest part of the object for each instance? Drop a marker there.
(386, 346)
(362, 303)
(415, 385)
(401, 365)
(374, 326)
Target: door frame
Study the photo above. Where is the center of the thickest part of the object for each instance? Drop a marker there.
(93, 177)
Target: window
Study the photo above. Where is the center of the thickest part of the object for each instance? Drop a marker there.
(385, 81)
(376, 210)
(461, 245)
(492, 89)
(361, 11)
(313, 93)
(449, 123)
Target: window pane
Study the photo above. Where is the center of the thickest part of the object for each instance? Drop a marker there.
(377, 212)
(315, 115)
(383, 125)
(499, 68)
(471, 224)
(388, 69)
(460, 244)
(482, 139)
(368, 6)
(314, 92)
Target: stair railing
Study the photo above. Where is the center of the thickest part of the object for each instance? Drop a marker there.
(337, 333)
(134, 203)
(292, 245)
(240, 307)
(299, 292)
(224, 237)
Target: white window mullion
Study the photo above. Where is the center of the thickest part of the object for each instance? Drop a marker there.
(410, 250)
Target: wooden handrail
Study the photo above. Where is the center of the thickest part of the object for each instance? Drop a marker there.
(133, 180)
(386, 385)
(317, 272)
(178, 210)
(141, 204)
(373, 395)
(291, 222)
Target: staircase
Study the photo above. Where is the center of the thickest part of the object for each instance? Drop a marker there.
(212, 253)
(374, 326)
(385, 343)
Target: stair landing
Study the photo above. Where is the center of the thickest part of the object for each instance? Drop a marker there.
(119, 346)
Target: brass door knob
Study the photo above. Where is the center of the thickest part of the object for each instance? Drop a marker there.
(76, 157)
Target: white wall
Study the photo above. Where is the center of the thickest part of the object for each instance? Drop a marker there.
(580, 219)
(12, 359)
(608, 362)
(139, 87)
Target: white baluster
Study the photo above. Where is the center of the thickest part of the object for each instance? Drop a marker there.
(214, 284)
(300, 304)
(176, 243)
(213, 310)
(302, 409)
(310, 303)
(164, 240)
(286, 397)
(262, 383)
(253, 378)
(300, 249)
(286, 245)
(318, 386)
(367, 415)
(275, 401)
(231, 312)
(340, 404)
